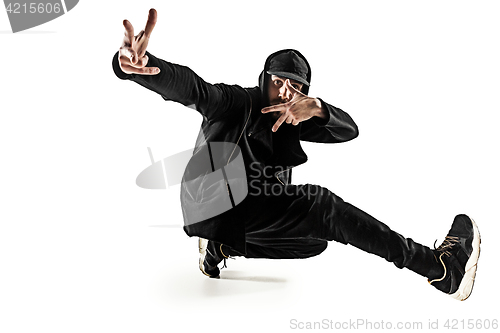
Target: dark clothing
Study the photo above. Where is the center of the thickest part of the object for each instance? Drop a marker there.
(233, 114)
(281, 220)
(296, 221)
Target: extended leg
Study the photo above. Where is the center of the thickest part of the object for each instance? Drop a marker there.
(313, 212)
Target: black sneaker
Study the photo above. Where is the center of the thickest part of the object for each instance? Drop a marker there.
(459, 254)
(210, 256)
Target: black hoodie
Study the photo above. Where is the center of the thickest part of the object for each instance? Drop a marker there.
(232, 115)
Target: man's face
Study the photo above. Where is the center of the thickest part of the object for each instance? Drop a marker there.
(277, 91)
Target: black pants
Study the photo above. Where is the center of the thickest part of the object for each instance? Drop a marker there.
(296, 221)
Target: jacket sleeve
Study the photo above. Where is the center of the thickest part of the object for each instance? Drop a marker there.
(180, 84)
(338, 127)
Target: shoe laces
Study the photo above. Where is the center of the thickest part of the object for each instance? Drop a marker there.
(444, 249)
(224, 257)
(447, 245)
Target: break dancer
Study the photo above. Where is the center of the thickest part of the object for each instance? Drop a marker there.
(268, 217)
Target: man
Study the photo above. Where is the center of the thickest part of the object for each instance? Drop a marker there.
(264, 216)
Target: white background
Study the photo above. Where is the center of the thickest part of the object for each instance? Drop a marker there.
(83, 249)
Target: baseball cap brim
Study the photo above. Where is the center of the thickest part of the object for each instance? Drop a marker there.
(289, 75)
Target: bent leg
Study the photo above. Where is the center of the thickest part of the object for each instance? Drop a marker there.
(285, 248)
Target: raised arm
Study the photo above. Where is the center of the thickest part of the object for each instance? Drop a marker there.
(321, 122)
(338, 126)
(173, 82)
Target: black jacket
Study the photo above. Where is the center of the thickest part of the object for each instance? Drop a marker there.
(232, 114)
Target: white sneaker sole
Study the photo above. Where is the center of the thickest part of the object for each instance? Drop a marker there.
(202, 248)
(465, 287)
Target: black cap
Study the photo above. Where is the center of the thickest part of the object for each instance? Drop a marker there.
(289, 65)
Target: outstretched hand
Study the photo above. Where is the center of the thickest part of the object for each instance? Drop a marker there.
(132, 55)
(300, 108)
